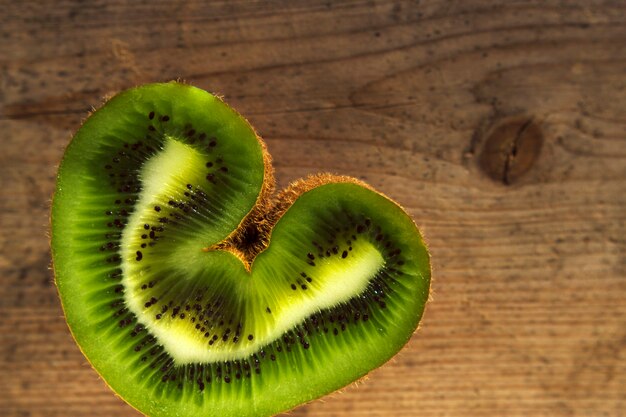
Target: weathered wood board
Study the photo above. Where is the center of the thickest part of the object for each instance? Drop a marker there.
(500, 126)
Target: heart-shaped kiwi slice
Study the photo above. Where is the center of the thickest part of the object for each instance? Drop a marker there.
(193, 291)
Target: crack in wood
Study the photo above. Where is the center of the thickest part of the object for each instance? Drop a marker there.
(506, 179)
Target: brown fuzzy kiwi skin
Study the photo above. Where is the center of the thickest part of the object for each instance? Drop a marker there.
(252, 235)
(248, 239)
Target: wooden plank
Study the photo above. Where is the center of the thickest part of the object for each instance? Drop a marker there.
(528, 314)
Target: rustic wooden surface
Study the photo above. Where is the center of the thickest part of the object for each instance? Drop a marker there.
(501, 128)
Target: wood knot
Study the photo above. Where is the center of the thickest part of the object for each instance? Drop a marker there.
(511, 148)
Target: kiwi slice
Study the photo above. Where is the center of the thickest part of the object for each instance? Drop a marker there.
(193, 291)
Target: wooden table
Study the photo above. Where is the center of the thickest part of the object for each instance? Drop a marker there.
(501, 129)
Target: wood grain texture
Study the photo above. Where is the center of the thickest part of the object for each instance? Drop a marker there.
(528, 312)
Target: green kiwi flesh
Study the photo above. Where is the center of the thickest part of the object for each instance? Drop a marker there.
(193, 292)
